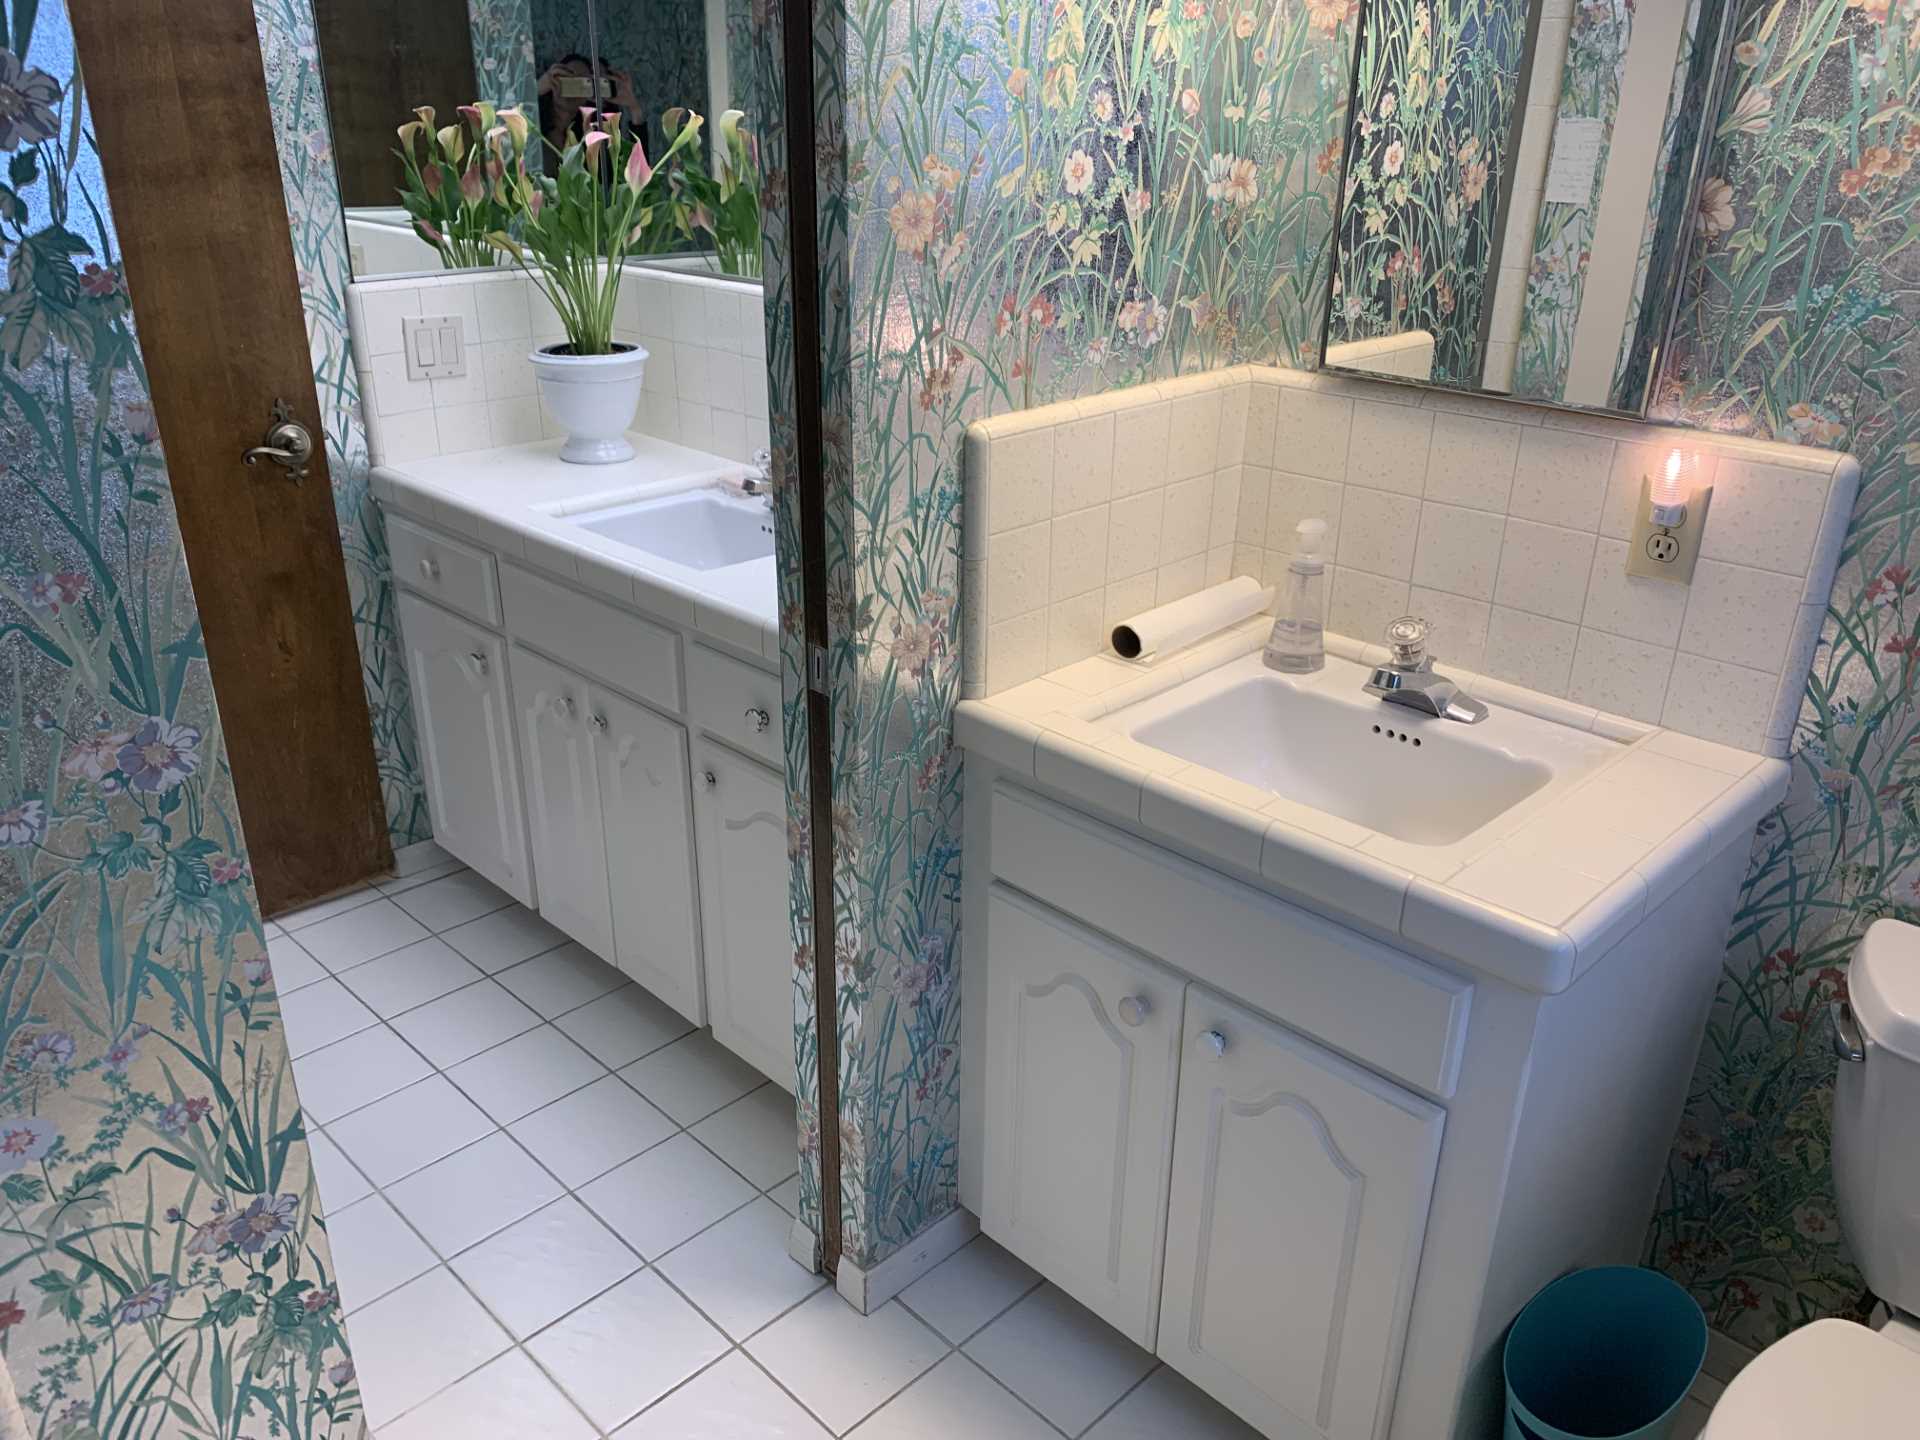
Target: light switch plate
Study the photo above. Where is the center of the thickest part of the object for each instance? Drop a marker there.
(1658, 552)
(436, 346)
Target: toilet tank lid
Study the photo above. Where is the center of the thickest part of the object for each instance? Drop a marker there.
(1829, 1378)
(1884, 984)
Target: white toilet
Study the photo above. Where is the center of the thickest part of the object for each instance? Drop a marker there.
(1836, 1378)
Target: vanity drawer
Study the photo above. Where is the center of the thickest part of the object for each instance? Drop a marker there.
(604, 642)
(1401, 1016)
(458, 575)
(735, 703)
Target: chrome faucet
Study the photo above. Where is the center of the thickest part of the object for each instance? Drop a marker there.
(760, 482)
(1408, 678)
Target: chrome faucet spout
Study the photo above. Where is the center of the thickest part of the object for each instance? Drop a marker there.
(1408, 678)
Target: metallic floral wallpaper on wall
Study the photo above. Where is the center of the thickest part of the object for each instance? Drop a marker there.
(305, 141)
(1437, 84)
(503, 64)
(1800, 324)
(162, 1270)
(1019, 204)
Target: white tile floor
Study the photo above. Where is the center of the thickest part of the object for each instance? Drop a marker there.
(558, 1211)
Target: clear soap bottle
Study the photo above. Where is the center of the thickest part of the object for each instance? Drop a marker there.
(1297, 645)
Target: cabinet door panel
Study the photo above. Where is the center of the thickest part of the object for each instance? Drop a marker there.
(1299, 1199)
(741, 817)
(563, 800)
(1083, 1037)
(641, 759)
(458, 674)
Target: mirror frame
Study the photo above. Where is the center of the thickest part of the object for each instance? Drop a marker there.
(1711, 65)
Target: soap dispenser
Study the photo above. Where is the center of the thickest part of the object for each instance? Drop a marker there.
(1297, 645)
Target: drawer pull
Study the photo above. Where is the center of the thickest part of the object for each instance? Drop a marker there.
(479, 659)
(709, 779)
(563, 706)
(759, 719)
(1212, 1044)
(1134, 1010)
(600, 722)
(429, 567)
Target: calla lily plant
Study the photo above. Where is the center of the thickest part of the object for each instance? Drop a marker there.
(457, 187)
(578, 225)
(721, 208)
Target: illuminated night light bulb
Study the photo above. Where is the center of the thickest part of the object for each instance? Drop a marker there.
(1672, 489)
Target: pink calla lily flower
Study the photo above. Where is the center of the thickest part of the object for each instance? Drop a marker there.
(472, 188)
(593, 140)
(638, 170)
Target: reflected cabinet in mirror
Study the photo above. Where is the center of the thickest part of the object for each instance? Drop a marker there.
(657, 63)
(1522, 179)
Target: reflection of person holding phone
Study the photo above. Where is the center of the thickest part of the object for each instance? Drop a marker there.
(568, 85)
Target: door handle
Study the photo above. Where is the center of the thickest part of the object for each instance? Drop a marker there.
(288, 444)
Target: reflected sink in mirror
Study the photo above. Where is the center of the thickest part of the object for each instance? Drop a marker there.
(700, 529)
(1320, 741)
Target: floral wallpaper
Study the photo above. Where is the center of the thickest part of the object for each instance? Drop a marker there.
(1563, 235)
(1800, 324)
(502, 51)
(318, 230)
(1019, 204)
(164, 1272)
(1436, 85)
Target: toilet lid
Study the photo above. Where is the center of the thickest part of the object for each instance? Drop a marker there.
(1831, 1378)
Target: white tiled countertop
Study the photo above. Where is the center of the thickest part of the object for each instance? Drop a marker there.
(1534, 897)
(516, 500)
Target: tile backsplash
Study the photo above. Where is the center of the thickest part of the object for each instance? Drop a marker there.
(706, 361)
(1506, 525)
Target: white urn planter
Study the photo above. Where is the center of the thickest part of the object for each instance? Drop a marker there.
(593, 397)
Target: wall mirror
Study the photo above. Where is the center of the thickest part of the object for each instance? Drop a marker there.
(1522, 179)
(646, 58)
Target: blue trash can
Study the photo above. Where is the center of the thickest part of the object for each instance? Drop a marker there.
(1604, 1354)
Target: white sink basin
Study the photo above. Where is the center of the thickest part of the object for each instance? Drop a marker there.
(700, 529)
(1321, 741)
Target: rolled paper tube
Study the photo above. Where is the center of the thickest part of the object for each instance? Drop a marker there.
(1170, 627)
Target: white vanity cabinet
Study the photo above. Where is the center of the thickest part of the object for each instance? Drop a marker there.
(740, 815)
(1082, 1057)
(458, 673)
(1299, 1200)
(560, 734)
(563, 799)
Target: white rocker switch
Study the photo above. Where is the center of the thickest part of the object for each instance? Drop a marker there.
(436, 346)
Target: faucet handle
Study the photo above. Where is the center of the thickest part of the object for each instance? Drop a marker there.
(1407, 639)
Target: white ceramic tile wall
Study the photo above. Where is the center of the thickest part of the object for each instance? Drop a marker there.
(1090, 511)
(1505, 524)
(706, 383)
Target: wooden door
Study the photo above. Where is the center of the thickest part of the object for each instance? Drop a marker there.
(645, 809)
(1300, 1190)
(1083, 1039)
(741, 817)
(459, 677)
(563, 800)
(179, 107)
(379, 59)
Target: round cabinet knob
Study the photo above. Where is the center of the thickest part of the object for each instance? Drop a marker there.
(600, 722)
(429, 567)
(759, 719)
(479, 658)
(1135, 1009)
(1213, 1044)
(709, 779)
(563, 706)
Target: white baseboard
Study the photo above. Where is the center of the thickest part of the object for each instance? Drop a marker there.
(803, 1246)
(868, 1290)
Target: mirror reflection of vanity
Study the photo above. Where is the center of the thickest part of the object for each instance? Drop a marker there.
(1519, 190)
(380, 60)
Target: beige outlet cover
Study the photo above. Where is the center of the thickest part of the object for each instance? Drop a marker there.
(1678, 570)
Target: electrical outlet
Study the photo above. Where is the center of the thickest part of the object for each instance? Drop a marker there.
(1662, 552)
(436, 346)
